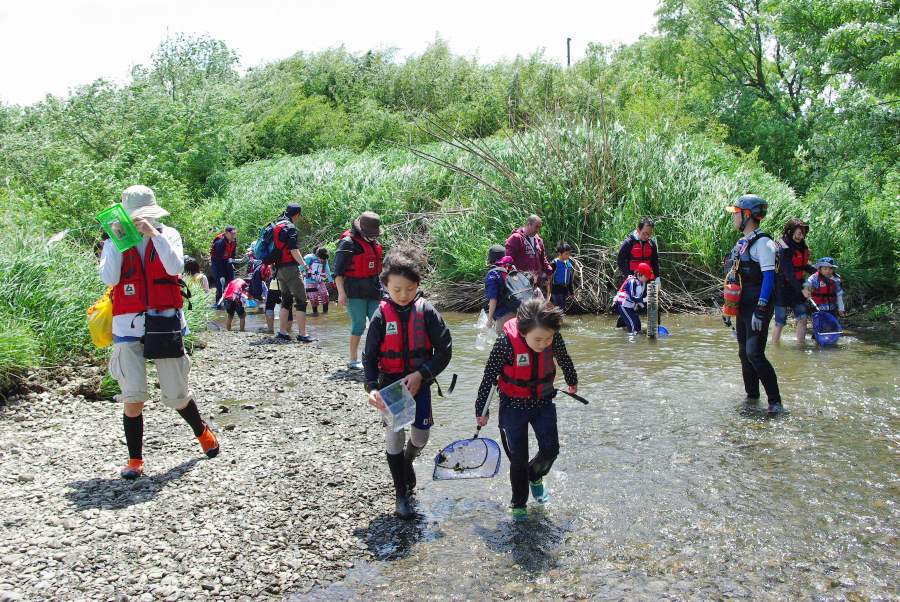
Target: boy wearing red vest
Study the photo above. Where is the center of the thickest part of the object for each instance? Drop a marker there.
(824, 287)
(145, 281)
(523, 361)
(407, 340)
(632, 294)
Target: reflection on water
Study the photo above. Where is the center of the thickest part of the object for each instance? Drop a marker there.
(670, 483)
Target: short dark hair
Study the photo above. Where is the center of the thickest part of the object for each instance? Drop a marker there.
(191, 266)
(322, 253)
(644, 223)
(794, 223)
(538, 313)
(562, 246)
(404, 261)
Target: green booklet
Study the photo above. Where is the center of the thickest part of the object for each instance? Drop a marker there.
(119, 227)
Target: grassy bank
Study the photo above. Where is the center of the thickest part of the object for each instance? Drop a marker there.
(44, 294)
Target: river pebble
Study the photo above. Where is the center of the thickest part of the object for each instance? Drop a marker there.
(300, 474)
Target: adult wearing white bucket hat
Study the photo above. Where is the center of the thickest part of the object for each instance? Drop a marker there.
(145, 288)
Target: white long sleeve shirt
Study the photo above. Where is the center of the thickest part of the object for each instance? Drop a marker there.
(169, 247)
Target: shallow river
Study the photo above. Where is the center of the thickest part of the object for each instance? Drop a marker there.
(669, 484)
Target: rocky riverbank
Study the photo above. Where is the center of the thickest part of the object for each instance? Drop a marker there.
(298, 495)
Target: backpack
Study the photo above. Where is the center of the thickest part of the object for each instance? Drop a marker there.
(264, 247)
(516, 289)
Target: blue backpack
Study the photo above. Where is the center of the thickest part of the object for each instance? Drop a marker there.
(264, 247)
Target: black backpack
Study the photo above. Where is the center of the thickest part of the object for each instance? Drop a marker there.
(516, 289)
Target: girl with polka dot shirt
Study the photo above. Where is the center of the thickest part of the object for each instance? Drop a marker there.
(522, 364)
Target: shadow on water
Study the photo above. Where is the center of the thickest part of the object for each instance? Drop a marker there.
(533, 544)
(115, 494)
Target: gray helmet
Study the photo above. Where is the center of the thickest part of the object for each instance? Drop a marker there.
(749, 205)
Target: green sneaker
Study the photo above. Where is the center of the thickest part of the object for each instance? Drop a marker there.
(538, 492)
(519, 514)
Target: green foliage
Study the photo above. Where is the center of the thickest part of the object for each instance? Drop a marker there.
(19, 349)
(44, 295)
(880, 312)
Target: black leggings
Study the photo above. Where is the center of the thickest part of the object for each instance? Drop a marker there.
(273, 301)
(755, 367)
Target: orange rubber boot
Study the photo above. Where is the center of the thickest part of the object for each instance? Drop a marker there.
(208, 442)
(134, 469)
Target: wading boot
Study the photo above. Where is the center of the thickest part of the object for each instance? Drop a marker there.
(134, 469)
(403, 508)
(538, 492)
(775, 408)
(409, 455)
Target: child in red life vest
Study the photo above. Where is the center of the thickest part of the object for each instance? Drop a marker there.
(407, 340)
(631, 295)
(824, 287)
(523, 360)
(233, 299)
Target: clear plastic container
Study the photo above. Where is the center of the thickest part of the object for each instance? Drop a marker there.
(119, 227)
(400, 407)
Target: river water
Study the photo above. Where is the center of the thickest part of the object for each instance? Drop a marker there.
(669, 485)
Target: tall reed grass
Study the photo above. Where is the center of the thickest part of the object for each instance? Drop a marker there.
(44, 294)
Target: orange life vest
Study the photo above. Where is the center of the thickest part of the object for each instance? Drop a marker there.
(531, 374)
(405, 347)
(145, 285)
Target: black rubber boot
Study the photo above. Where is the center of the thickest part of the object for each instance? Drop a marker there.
(409, 455)
(403, 509)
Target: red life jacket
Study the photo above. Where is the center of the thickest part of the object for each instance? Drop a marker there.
(146, 285)
(405, 347)
(800, 259)
(286, 256)
(531, 375)
(641, 252)
(234, 290)
(229, 247)
(367, 263)
(826, 294)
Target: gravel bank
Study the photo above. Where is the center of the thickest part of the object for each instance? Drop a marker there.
(298, 495)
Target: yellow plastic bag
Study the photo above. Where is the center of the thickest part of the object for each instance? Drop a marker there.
(99, 318)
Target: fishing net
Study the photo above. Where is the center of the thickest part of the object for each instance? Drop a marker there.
(467, 459)
(826, 329)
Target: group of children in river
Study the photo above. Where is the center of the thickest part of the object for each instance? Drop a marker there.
(408, 339)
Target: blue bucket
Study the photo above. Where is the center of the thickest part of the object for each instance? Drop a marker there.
(661, 332)
(826, 329)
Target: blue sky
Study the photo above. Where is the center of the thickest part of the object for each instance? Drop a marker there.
(50, 46)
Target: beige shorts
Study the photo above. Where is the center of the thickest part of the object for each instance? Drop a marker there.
(129, 367)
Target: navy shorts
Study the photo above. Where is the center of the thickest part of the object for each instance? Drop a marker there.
(424, 418)
(234, 306)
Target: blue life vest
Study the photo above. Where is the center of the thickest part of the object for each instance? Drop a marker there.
(562, 274)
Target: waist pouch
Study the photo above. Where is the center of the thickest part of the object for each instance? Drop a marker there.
(162, 337)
